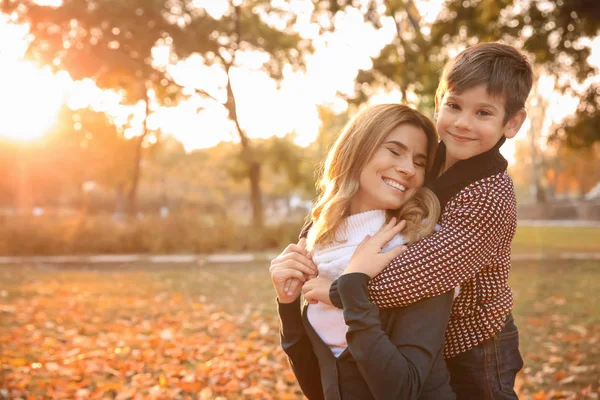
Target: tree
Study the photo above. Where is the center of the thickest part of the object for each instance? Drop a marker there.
(409, 63)
(550, 31)
(110, 43)
(332, 125)
(253, 26)
(583, 129)
(573, 171)
(82, 145)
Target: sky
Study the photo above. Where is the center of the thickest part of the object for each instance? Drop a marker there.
(30, 95)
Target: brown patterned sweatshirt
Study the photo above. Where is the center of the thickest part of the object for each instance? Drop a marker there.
(471, 249)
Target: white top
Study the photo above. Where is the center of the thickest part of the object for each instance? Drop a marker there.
(328, 321)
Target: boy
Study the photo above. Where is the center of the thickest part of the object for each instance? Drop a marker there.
(479, 104)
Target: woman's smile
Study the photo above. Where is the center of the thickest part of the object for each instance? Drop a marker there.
(392, 183)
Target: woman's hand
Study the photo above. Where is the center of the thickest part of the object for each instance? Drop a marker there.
(317, 289)
(368, 257)
(290, 269)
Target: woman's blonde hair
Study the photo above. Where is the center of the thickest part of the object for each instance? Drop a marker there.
(352, 150)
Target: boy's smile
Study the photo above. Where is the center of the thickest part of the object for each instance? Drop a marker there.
(472, 122)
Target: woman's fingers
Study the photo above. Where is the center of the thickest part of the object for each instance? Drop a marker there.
(292, 286)
(285, 274)
(297, 258)
(294, 248)
(394, 252)
(302, 245)
(388, 232)
(294, 261)
(294, 264)
(317, 290)
(297, 248)
(287, 284)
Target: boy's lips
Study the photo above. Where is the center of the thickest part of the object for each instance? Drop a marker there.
(460, 138)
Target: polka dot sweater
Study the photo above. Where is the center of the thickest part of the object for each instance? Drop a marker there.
(472, 249)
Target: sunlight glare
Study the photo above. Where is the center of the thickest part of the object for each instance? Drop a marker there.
(30, 99)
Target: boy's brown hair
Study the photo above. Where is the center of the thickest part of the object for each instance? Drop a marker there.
(503, 69)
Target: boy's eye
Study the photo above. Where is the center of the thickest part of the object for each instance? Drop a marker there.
(452, 106)
(484, 113)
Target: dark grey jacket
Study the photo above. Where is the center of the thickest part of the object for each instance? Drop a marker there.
(392, 354)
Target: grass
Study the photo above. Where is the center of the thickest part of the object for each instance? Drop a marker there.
(115, 324)
(554, 240)
(184, 233)
(558, 315)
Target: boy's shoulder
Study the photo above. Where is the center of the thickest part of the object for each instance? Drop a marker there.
(498, 188)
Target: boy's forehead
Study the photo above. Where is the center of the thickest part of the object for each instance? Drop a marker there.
(476, 93)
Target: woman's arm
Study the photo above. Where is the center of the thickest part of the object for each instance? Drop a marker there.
(291, 264)
(394, 366)
(296, 345)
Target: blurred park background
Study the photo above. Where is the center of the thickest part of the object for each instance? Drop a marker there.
(195, 127)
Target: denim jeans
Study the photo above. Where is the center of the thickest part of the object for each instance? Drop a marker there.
(488, 370)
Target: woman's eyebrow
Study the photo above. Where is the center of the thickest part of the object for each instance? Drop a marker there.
(403, 147)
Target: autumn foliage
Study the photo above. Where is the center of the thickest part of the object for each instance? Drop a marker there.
(130, 336)
(211, 332)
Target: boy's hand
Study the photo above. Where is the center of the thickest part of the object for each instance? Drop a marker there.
(368, 257)
(292, 265)
(317, 289)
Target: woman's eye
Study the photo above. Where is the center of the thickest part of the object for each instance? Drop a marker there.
(420, 164)
(394, 152)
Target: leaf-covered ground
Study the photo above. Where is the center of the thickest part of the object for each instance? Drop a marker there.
(208, 332)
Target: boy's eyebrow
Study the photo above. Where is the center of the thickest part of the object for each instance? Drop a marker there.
(487, 105)
(481, 104)
(403, 147)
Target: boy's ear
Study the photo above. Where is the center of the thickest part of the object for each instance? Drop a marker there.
(514, 124)
(437, 107)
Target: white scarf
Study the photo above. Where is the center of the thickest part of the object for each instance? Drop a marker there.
(328, 321)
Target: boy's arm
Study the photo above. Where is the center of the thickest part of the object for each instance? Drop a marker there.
(471, 233)
(394, 366)
(297, 347)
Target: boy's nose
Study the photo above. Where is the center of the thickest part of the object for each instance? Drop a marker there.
(463, 122)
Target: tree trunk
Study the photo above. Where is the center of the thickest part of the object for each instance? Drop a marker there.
(248, 156)
(255, 194)
(24, 188)
(135, 178)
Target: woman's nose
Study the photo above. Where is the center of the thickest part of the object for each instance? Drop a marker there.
(406, 167)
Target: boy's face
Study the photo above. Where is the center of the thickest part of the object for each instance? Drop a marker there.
(472, 122)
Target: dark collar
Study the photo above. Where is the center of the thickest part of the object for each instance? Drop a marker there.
(465, 172)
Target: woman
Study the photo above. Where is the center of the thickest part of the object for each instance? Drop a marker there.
(372, 178)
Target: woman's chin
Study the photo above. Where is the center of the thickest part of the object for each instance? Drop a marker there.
(394, 205)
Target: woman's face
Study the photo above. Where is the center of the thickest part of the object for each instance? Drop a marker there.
(394, 173)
